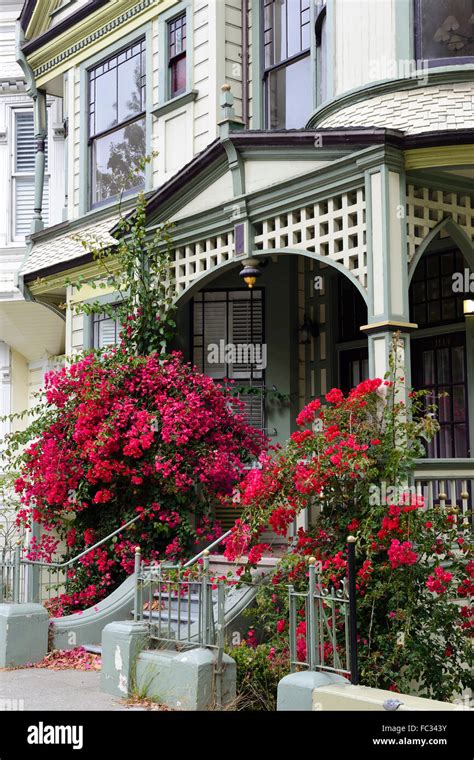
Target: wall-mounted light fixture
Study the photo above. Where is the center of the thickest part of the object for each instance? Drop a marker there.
(468, 307)
(250, 272)
(308, 330)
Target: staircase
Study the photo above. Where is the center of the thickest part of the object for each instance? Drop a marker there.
(170, 621)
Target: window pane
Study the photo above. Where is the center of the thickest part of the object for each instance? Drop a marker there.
(129, 89)
(446, 28)
(178, 76)
(105, 101)
(114, 156)
(106, 331)
(290, 95)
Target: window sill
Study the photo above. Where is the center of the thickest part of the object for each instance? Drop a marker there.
(180, 100)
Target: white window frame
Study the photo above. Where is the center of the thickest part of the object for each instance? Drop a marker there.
(14, 174)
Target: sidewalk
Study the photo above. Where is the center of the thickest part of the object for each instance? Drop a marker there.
(42, 689)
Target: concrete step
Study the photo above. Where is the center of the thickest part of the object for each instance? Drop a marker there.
(93, 648)
(220, 565)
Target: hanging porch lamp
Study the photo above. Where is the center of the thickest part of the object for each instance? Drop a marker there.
(250, 272)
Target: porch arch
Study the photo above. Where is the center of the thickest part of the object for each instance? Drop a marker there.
(457, 234)
(217, 270)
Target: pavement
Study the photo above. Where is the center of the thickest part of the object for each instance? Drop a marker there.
(42, 689)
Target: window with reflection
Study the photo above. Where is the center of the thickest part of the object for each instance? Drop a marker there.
(177, 55)
(287, 63)
(444, 30)
(117, 123)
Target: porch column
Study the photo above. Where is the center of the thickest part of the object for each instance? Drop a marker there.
(387, 263)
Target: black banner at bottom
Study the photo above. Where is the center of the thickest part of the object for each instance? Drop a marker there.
(373, 734)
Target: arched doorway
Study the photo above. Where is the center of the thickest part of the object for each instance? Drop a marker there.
(441, 353)
(304, 317)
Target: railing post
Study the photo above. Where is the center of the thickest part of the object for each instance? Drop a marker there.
(16, 574)
(204, 596)
(351, 542)
(311, 639)
(292, 627)
(138, 606)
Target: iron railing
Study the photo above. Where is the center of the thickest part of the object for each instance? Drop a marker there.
(330, 637)
(25, 580)
(180, 608)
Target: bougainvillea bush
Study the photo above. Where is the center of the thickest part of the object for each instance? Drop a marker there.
(120, 436)
(349, 463)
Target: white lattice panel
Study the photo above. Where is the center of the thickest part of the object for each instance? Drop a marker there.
(427, 207)
(192, 260)
(335, 228)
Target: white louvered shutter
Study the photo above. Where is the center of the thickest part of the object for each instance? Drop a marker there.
(24, 175)
(106, 331)
(234, 318)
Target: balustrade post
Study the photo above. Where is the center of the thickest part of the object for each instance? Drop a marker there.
(138, 605)
(311, 638)
(205, 598)
(351, 542)
(16, 574)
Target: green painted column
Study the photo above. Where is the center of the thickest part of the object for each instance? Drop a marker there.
(41, 134)
(388, 307)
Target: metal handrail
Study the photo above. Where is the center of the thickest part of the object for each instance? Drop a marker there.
(207, 549)
(82, 554)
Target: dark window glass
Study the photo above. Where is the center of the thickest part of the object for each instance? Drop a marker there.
(445, 29)
(439, 366)
(432, 301)
(177, 55)
(117, 123)
(287, 63)
(352, 311)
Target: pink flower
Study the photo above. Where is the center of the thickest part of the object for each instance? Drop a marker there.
(401, 554)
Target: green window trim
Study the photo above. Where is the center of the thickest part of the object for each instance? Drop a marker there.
(165, 103)
(88, 323)
(85, 202)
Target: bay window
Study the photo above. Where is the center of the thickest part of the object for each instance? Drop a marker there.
(117, 123)
(287, 63)
(444, 30)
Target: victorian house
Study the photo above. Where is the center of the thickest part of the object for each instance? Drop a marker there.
(324, 148)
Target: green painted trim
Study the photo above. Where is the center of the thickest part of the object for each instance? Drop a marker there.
(404, 30)
(149, 104)
(84, 151)
(87, 326)
(236, 167)
(171, 207)
(470, 379)
(445, 75)
(433, 465)
(294, 154)
(178, 102)
(313, 56)
(370, 278)
(457, 234)
(256, 66)
(440, 181)
(330, 57)
(110, 26)
(185, 6)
